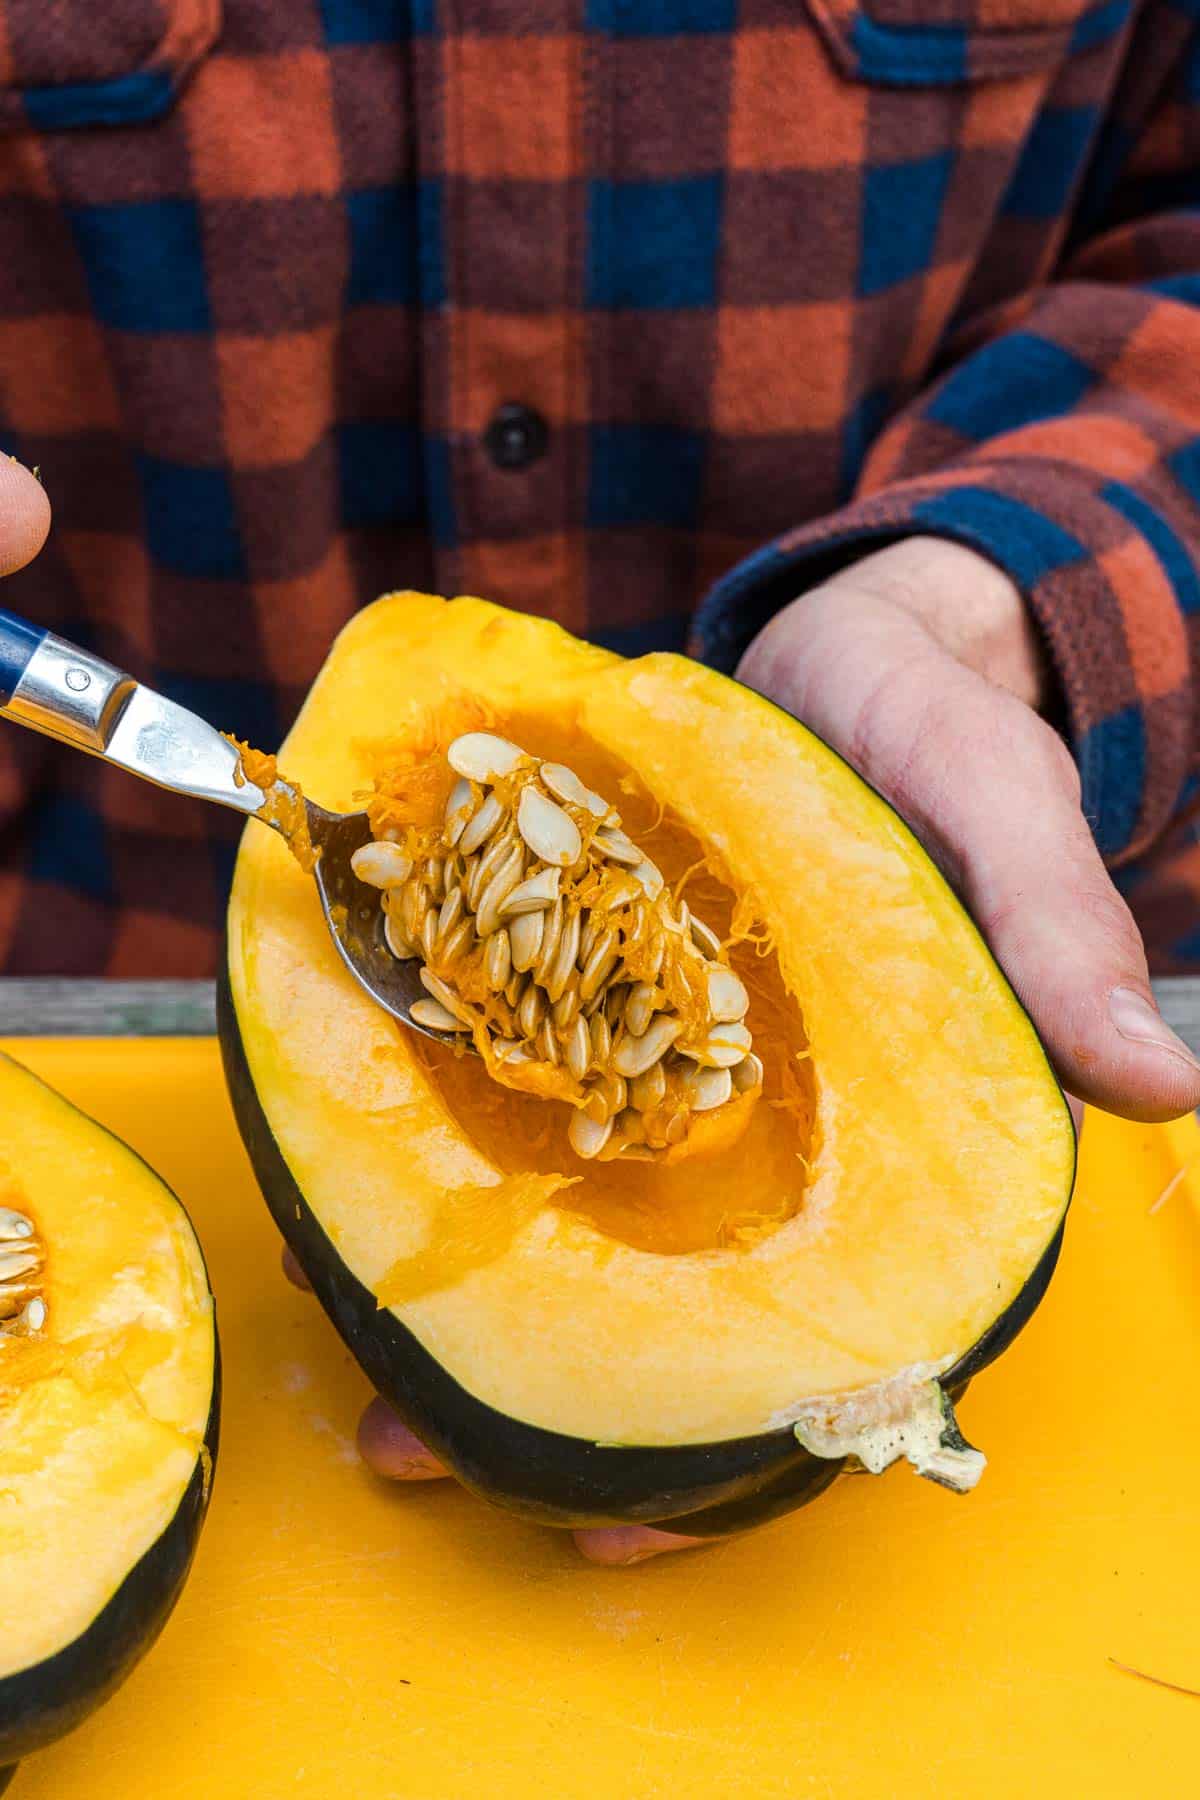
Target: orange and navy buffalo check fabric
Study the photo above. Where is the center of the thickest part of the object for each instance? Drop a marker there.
(760, 283)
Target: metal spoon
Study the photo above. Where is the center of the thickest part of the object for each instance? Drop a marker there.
(66, 693)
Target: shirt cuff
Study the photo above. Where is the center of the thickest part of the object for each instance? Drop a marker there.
(1106, 579)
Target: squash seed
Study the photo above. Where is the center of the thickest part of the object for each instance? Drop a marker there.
(617, 847)
(602, 959)
(445, 996)
(550, 833)
(564, 784)
(14, 1225)
(721, 1049)
(551, 932)
(565, 1010)
(649, 878)
(747, 1074)
(482, 756)
(395, 939)
(727, 998)
(648, 1091)
(704, 937)
(577, 1049)
(480, 828)
(601, 1038)
(381, 865)
(706, 1088)
(497, 960)
(555, 979)
(459, 941)
(533, 895)
(641, 1006)
(487, 913)
(29, 1320)
(532, 1009)
(458, 811)
(634, 1055)
(525, 935)
(451, 912)
(586, 1136)
(435, 1017)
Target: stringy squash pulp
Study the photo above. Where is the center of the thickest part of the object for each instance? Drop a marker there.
(906, 1166)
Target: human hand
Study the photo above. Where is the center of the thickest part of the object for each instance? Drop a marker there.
(920, 666)
(24, 516)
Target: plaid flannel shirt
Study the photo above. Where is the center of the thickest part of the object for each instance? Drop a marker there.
(762, 283)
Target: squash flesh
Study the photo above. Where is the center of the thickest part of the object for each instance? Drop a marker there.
(943, 1149)
(103, 1414)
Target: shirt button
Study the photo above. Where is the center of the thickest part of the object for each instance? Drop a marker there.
(516, 436)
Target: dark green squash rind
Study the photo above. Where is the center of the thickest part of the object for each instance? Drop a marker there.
(547, 1476)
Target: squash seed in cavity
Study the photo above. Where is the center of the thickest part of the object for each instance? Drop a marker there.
(586, 1136)
(381, 864)
(533, 895)
(574, 985)
(22, 1261)
(634, 1055)
(550, 833)
(497, 960)
(479, 828)
(482, 756)
(525, 936)
(434, 1016)
(458, 811)
(722, 1048)
(706, 1088)
(641, 1006)
(564, 784)
(618, 848)
(727, 997)
(445, 996)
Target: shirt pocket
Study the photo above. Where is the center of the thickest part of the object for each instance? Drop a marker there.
(922, 43)
(66, 64)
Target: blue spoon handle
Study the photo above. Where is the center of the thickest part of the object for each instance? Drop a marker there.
(54, 687)
(18, 641)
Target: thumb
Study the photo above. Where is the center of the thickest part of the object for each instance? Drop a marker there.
(994, 795)
(24, 515)
(1016, 840)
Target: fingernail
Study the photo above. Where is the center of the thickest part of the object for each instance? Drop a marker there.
(1136, 1019)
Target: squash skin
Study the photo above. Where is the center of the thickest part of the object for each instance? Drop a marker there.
(705, 1490)
(47, 1700)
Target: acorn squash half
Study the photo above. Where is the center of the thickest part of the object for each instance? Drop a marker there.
(704, 1342)
(109, 1406)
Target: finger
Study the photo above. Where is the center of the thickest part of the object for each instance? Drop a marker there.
(994, 795)
(619, 1546)
(294, 1272)
(1034, 880)
(24, 516)
(388, 1447)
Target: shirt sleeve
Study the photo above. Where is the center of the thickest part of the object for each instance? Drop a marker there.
(1064, 443)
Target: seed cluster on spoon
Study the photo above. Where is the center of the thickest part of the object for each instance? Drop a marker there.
(22, 1259)
(546, 933)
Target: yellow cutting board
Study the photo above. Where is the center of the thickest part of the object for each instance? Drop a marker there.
(340, 1637)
